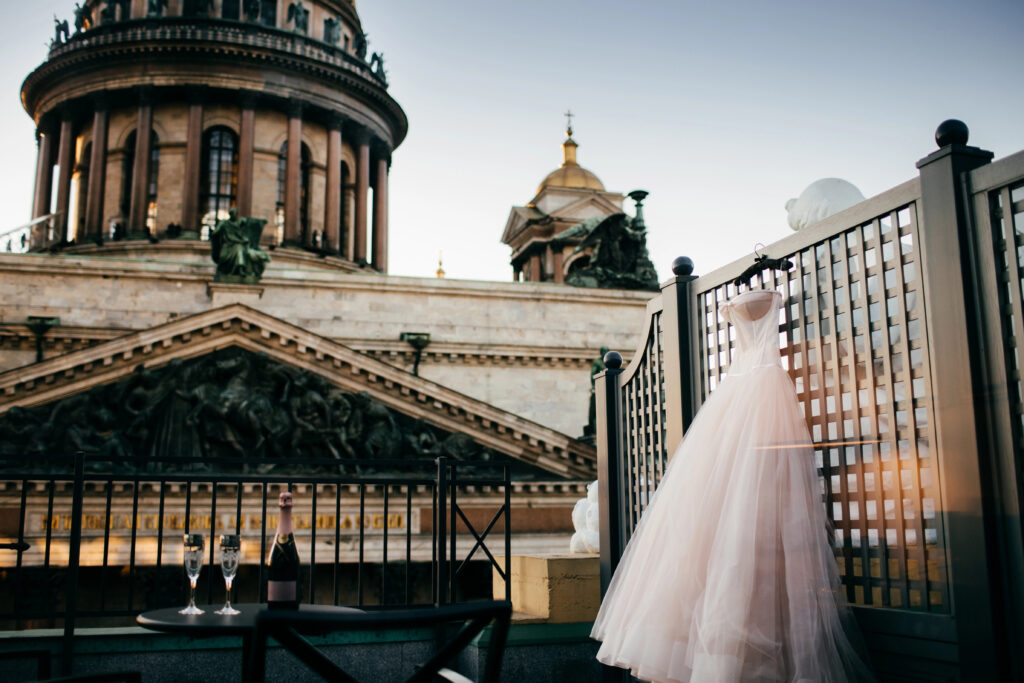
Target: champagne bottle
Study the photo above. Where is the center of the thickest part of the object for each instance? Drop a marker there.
(283, 574)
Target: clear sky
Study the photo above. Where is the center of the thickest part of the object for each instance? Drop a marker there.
(722, 110)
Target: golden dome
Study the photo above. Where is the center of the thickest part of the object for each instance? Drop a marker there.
(571, 174)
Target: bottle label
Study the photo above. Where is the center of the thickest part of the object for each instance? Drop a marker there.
(280, 591)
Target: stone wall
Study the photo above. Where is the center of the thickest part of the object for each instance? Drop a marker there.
(526, 348)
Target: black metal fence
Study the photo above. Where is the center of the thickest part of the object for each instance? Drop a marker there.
(901, 330)
(89, 542)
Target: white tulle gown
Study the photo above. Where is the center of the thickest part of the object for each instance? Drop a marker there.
(729, 575)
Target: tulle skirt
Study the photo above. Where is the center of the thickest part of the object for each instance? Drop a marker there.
(729, 575)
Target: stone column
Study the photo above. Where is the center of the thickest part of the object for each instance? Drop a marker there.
(362, 190)
(193, 164)
(535, 274)
(293, 180)
(140, 173)
(44, 174)
(97, 171)
(348, 206)
(65, 159)
(246, 148)
(332, 208)
(557, 260)
(380, 216)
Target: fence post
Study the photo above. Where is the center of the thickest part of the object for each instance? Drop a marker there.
(679, 352)
(609, 458)
(508, 533)
(440, 522)
(954, 355)
(74, 555)
(608, 403)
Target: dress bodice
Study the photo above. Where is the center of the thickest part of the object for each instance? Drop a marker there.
(754, 314)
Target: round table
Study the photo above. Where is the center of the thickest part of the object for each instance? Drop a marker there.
(209, 625)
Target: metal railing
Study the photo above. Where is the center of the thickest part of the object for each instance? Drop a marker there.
(231, 31)
(900, 329)
(93, 542)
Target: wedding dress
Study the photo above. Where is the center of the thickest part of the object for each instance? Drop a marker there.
(729, 575)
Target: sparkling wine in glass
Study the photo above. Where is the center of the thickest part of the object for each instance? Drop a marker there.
(193, 565)
(230, 554)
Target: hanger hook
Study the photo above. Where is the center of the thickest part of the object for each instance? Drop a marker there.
(757, 250)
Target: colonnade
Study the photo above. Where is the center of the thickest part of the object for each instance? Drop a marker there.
(56, 145)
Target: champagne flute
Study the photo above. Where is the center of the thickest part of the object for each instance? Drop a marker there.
(230, 553)
(193, 565)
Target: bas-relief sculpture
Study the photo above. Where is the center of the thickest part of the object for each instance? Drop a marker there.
(232, 403)
(619, 259)
(235, 248)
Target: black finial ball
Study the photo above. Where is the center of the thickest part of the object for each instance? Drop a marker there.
(682, 266)
(613, 360)
(951, 132)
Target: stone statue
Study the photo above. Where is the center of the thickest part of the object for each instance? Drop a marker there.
(299, 16)
(235, 248)
(83, 18)
(377, 65)
(619, 259)
(198, 8)
(596, 368)
(156, 8)
(251, 9)
(361, 45)
(332, 31)
(62, 33)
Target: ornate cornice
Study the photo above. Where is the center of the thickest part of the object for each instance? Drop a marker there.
(239, 325)
(175, 41)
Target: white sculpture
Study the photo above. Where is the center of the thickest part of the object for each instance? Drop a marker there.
(585, 521)
(821, 199)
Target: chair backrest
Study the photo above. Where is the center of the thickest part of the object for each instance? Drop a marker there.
(289, 627)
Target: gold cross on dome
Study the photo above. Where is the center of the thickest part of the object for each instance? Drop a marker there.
(568, 116)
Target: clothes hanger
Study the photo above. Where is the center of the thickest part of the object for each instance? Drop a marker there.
(761, 263)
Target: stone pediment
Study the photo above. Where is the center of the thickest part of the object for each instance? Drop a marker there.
(240, 326)
(586, 207)
(518, 218)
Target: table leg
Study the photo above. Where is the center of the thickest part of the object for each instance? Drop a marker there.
(247, 657)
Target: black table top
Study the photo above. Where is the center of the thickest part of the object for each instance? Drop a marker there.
(209, 624)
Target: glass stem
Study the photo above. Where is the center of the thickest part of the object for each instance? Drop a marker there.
(192, 599)
(227, 598)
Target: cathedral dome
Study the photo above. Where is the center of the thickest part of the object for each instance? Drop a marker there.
(160, 118)
(570, 174)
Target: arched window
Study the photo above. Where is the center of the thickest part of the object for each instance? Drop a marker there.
(218, 177)
(128, 177)
(306, 162)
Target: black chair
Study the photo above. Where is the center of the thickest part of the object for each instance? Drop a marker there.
(288, 627)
